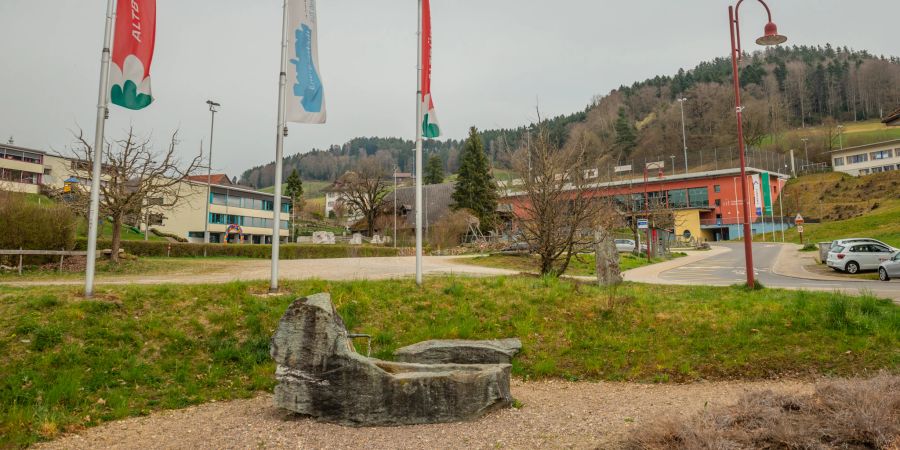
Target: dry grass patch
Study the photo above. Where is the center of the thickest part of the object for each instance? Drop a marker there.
(840, 414)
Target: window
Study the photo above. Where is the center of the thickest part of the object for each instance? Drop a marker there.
(718, 202)
(235, 220)
(839, 161)
(717, 188)
(218, 199)
(888, 168)
(156, 219)
(876, 169)
(698, 197)
(678, 198)
(233, 201)
(195, 234)
(856, 159)
(217, 218)
(883, 154)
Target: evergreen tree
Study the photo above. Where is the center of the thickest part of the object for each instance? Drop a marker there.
(434, 171)
(475, 188)
(626, 138)
(294, 190)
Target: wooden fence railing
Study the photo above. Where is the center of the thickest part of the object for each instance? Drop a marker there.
(22, 253)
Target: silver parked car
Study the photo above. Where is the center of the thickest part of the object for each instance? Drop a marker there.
(628, 246)
(890, 268)
(852, 258)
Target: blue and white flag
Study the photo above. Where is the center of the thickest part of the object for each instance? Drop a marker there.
(305, 95)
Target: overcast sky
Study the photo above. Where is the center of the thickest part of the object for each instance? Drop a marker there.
(493, 61)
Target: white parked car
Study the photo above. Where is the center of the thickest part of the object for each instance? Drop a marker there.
(845, 242)
(628, 246)
(854, 257)
(890, 268)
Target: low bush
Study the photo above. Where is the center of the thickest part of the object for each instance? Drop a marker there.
(840, 414)
(167, 235)
(287, 251)
(33, 226)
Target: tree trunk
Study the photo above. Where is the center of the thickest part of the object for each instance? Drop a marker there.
(608, 271)
(116, 238)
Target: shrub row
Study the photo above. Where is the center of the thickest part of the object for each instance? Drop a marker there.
(33, 226)
(287, 251)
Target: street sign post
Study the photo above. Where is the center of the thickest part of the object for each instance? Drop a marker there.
(799, 222)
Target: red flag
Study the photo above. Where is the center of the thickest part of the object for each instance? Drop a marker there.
(132, 54)
(430, 126)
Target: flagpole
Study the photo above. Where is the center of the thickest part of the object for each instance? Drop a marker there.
(419, 151)
(102, 101)
(279, 150)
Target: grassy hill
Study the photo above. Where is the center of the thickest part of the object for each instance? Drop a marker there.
(855, 133)
(848, 206)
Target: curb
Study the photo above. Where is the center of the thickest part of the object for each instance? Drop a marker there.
(779, 260)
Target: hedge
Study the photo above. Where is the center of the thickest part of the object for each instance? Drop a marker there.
(287, 251)
(33, 226)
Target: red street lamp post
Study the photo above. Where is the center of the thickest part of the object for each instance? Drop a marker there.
(770, 37)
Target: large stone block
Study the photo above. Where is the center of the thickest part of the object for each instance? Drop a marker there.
(321, 375)
(456, 351)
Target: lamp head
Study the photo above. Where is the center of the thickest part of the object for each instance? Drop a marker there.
(213, 106)
(771, 36)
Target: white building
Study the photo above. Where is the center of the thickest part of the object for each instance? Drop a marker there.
(867, 159)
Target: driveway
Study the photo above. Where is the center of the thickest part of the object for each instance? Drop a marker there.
(724, 266)
(299, 269)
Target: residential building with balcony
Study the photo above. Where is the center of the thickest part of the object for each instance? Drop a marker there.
(867, 159)
(237, 214)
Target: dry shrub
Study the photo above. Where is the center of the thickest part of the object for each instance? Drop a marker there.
(32, 226)
(845, 414)
(450, 229)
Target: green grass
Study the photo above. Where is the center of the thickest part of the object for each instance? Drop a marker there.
(582, 265)
(146, 265)
(70, 363)
(855, 133)
(128, 233)
(882, 223)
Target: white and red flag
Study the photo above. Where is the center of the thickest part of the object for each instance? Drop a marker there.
(135, 36)
(430, 126)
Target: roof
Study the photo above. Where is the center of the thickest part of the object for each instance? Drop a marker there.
(867, 146)
(436, 199)
(22, 149)
(220, 179)
(509, 188)
(892, 117)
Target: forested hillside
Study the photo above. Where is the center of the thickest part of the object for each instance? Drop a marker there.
(789, 93)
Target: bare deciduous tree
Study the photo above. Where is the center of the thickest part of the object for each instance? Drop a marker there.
(364, 190)
(132, 173)
(559, 200)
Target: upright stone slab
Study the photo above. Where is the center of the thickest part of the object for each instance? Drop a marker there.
(459, 351)
(321, 375)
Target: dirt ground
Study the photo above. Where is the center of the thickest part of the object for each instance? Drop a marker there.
(554, 414)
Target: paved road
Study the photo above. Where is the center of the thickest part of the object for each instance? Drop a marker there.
(727, 268)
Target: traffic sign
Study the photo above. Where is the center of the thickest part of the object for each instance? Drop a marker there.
(798, 220)
(643, 224)
(800, 228)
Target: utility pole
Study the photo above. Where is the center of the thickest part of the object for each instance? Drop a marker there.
(395, 207)
(681, 101)
(213, 109)
(805, 152)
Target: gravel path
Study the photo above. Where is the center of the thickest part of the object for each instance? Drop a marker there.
(374, 268)
(555, 414)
